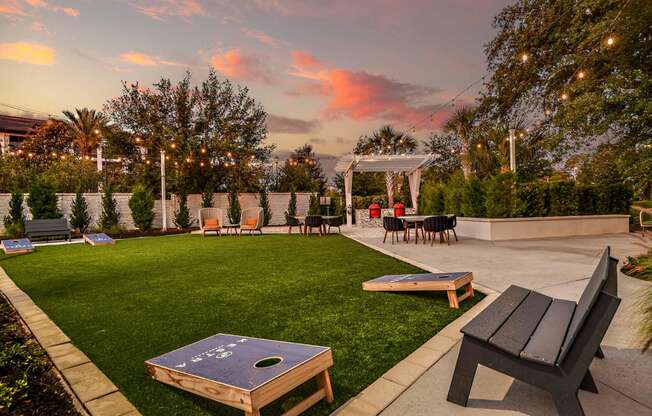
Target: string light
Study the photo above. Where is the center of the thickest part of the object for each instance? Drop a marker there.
(173, 145)
(203, 150)
(201, 164)
(611, 41)
(138, 139)
(581, 75)
(147, 162)
(479, 145)
(564, 96)
(524, 57)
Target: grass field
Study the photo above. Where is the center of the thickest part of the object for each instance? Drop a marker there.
(124, 304)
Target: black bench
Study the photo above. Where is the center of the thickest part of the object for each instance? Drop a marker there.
(546, 342)
(47, 228)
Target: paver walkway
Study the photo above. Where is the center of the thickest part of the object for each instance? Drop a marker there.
(558, 267)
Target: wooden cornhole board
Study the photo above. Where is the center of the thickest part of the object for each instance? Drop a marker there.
(21, 245)
(99, 239)
(449, 282)
(224, 368)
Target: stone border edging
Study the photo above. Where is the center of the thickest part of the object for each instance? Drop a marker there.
(97, 394)
(382, 392)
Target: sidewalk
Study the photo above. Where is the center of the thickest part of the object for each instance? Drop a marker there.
(558, 267)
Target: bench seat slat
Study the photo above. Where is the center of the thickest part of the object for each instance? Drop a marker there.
(515, 333)
(546, 341)
(492, 317)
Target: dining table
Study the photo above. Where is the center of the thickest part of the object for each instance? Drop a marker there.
(417, 221)
(302, 219)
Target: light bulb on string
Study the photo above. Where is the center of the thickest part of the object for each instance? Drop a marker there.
(173, 145)
(30, 155)
(203, 150)
(581, 75)
(524, 57)
(564, 96)
(201, 164)
(611, 40)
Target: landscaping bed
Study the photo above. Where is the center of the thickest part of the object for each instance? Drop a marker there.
(28, 385)
(127, 303)
(639, 267)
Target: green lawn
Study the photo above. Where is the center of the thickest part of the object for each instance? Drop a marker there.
(124, 304)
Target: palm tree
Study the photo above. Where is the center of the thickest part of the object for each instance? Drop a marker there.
(85, 126)
(386, 141)
(461, 124)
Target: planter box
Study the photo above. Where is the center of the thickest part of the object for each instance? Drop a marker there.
(497, 229)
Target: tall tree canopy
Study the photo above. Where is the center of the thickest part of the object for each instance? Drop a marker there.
(212, 133)
(583, 67)
(85, 127)
(385, 141)
(302, 172)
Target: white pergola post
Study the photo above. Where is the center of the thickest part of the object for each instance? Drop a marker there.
(348, 197)
(164, 209)
(389, 182)
(414, 179)
(512, 150)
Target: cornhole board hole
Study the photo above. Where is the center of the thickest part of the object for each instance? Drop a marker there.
(100, 239)
(449, 282)
(245, 373)
(21, 245)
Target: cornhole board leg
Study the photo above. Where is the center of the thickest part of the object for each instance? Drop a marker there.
(454, 300)
(325, 391)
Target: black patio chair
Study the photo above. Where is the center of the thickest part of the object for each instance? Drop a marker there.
(293, 222)
(314, 221)
(436, 225)
(452, 223)
(393, 225)
(542, 341)
(335, 222)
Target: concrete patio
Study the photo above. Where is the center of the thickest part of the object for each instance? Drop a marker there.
(557, 267)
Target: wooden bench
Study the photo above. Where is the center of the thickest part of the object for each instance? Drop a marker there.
(47, 228)
(546, 342)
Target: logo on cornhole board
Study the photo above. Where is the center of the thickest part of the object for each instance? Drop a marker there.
(21, 245)
(99, 239)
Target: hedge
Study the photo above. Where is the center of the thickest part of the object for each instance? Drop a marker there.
(501, 197)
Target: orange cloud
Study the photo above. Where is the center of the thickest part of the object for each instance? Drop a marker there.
(143, 59)
(26, 52)
(162, 9)
(360, 95)
(43, 4)
(11, 7)
(262, 37)
(237, 65)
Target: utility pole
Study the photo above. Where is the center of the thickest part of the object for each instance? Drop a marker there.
(512, 150)
(164, 210)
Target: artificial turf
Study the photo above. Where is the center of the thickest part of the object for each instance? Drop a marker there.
(124, 304)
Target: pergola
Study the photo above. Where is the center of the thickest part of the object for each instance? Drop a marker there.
(391, 165)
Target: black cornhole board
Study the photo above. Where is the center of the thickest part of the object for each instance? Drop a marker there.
(448, 282)
(223, 368)
(21, 245)
(99, 239)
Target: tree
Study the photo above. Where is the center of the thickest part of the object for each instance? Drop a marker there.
(85, 127)
(42, 199)
(182, 216)
(213, 122)
(314, 208)
(461, 124)
(15, 215)
(234, 206)
(583, 68)
(79, 217)
(141, 205)
(47, 143)
(292, 204)
(445, 149)
(302, 171)
(263, 200)
(385, 141)
(110, 217)
(207, 197)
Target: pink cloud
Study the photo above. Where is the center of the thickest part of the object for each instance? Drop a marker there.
(359, 95)
(43, 4)
(162, 9)
(11, 7)
(237, 65)
(143, 59)
(262, 37)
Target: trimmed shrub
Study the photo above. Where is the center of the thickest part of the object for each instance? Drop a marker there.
(531, 200)
(614, 198)
(432, 199)
(207, 197)
(141, 205)
(234, 206)
(499, 195)
(292, 204)
(110, 217)
(42, 200)
(182, 216)
(314, 208)
(454, 194)
(80, 219)
(563, 199)
(586, 199)
(15, 210)
(263, 200)
(473, 198)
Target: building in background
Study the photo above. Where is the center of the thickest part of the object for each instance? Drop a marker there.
(14, 130)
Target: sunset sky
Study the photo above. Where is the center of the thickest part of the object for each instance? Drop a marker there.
(325, 71)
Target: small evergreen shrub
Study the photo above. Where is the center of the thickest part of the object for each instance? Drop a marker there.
(499, 195)
(563, 199)
(141, 205)
(263, 200)
(234, 206)
(314, 208)
(207, 197)
(80, 219)
(292, 204)
(42, 200)
(182, 216)
(110, 217)
(454, 195)
(15, 210)
(473, 198)
(432, 199)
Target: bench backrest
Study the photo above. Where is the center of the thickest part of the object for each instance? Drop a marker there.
(56, 225)
(604, 278)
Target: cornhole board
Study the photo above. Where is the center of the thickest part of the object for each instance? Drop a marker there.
(100, 239)
(21, 245)
(449, 282)
(230, 369)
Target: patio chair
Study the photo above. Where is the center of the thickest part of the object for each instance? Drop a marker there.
(335, 222)
(436, 225)
(210, 219)
(314, 221)
(293, 222)
(393, 225)
(251, 219)
(452, 223)
(645, 219)
(542, 341)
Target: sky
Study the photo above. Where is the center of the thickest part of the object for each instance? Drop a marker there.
(326, 72)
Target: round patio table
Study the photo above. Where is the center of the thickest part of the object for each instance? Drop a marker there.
(229, 227)
(417, 220)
